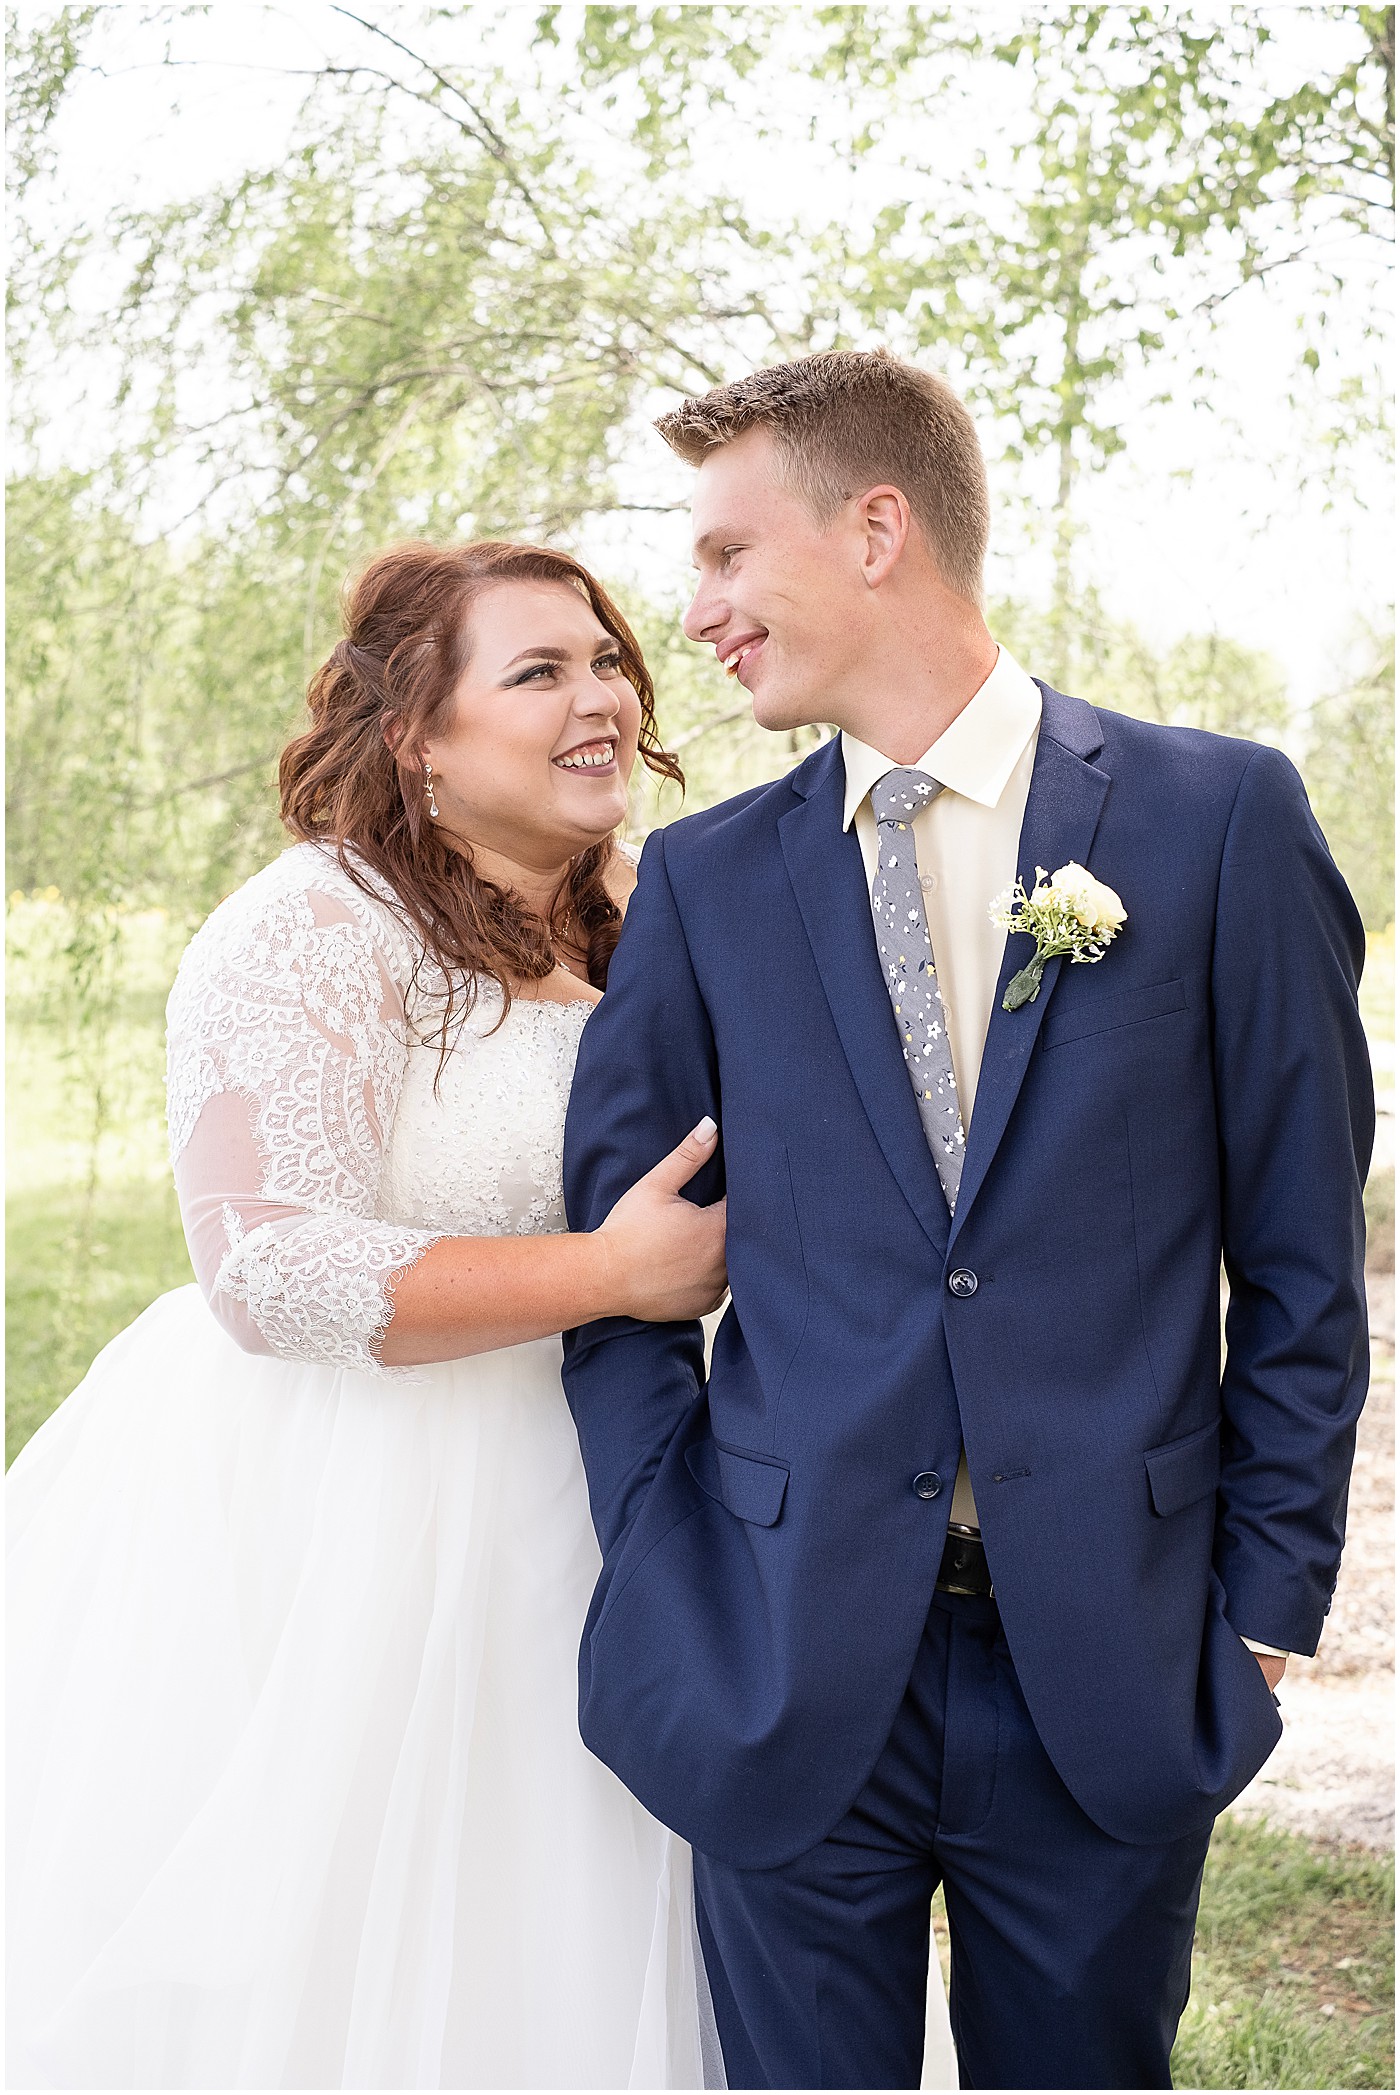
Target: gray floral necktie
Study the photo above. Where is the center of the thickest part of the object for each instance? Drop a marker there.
(906, 954)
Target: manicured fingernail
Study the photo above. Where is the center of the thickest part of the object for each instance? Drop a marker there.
(704, 1129)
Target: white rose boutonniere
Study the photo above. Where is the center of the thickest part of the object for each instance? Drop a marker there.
(1067, 913)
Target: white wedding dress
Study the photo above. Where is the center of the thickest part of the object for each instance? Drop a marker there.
(296, 1792)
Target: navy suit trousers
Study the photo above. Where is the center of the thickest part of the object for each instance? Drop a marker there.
(1071, 1951)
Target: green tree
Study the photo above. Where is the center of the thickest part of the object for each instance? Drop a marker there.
(449, 310)
(1202, 680)
(1350, 770)
(436, 318)
(1159, 165)
(1151, 158)
(498, 243)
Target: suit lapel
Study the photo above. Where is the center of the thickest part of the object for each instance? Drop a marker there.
(828, 877)
(1062, 814)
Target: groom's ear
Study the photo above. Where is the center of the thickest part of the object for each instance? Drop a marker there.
(885, 519)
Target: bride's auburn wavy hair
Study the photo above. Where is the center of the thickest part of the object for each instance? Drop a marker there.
(353, 778)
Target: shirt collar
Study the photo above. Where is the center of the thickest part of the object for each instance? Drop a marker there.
(975, 755)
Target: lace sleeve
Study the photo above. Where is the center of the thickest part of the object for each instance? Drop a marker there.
(286, 1045)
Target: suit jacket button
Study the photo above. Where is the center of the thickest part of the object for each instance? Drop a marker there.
(928, 1484)
(961, 1282)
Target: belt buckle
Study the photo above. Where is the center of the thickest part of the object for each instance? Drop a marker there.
(958, 1532)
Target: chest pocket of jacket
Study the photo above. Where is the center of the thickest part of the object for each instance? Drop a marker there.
(1124, 1007)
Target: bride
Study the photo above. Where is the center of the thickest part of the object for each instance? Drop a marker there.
(296, 1576)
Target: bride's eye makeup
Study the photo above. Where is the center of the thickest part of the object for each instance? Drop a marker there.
(609, 664)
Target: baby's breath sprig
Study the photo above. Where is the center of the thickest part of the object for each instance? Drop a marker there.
(1068, 914)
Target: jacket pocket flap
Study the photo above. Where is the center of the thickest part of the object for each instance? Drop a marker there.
(1182, 1471)
(1126, 1007)
(748, 1485)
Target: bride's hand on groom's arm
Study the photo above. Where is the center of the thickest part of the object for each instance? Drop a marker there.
(656, 1256)
(665, 1256)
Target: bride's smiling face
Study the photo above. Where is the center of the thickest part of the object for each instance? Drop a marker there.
(535, 762)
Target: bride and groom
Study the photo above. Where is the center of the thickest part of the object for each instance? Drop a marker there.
(962, 1560)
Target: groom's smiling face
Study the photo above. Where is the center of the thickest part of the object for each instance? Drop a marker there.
(780, 597)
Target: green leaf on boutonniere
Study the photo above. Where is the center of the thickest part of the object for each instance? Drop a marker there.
(1025, 987)
(1072, 916)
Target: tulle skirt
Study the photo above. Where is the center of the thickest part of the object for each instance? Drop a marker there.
(296, 1791)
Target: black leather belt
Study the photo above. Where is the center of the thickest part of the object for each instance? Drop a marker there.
(964, 1567)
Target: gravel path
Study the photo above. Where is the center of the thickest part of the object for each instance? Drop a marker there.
(1332, 1775)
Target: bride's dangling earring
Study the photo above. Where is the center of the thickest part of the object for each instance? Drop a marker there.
(428, 789)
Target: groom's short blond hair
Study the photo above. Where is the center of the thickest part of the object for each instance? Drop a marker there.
(846, 420)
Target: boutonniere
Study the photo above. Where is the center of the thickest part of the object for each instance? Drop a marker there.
(1068, 913)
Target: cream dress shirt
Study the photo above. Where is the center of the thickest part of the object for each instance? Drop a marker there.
(966, 843)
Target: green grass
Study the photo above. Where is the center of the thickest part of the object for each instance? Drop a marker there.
(76, 1275)
(93, 1230)
(1295, 1967)
(1293, 1976)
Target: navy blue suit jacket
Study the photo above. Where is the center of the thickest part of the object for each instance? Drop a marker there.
(1204, 1088)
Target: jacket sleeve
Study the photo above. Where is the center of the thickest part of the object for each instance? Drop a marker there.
(646, 1074)
(1296, 1118)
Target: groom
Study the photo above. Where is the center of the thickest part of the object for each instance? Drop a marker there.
(967, 1561)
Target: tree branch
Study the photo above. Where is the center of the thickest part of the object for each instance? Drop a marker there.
(215, 778)
(485, 133)
(708, 727)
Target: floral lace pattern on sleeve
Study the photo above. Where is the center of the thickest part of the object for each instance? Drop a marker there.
(286, 1054)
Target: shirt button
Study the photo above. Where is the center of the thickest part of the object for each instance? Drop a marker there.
(928, 1484)
(928, 882)
(961, 1282)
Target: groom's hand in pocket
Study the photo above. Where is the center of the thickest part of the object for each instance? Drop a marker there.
(665, 1255)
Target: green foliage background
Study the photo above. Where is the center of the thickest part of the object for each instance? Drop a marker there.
(501, 240)
(498, 242)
